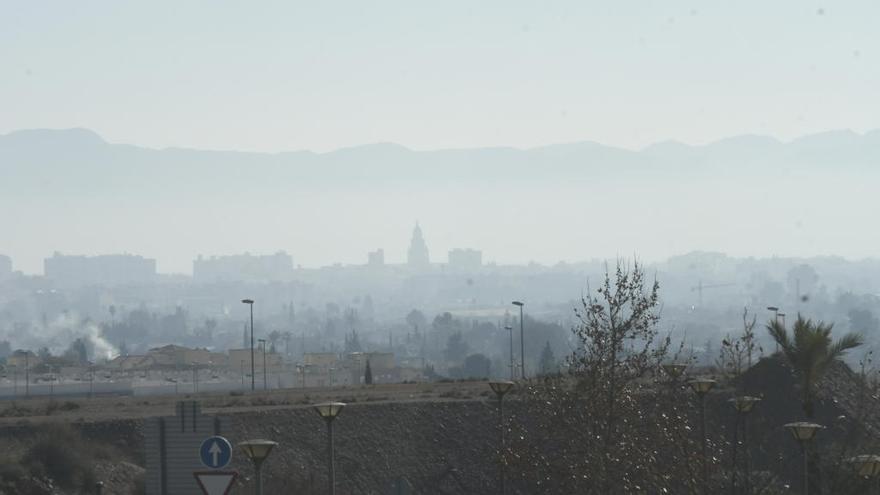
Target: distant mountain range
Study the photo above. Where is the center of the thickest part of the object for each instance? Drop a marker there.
(72, 160)
(70, 190)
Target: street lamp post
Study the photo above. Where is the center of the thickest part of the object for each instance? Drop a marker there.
(250, 302)
(743, 405)
(27, 374)
(263, 347)
(329, 411)
(512, 369)
(804, 432)
(775, 310)
(195, 377)
(302, 371)
(257, 451)
(522, 345)
(702, 386)
(500, 388)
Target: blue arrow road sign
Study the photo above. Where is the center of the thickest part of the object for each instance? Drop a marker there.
(215, 452)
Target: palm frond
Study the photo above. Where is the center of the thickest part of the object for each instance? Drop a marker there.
(810, 350)
(779, 334)
(843, 344)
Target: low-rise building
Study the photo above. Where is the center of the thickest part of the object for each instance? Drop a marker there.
(243, 267)
(106, 270)
(321, 359)
(175, 355)
(376, 258)
(241, 358)
(20, 359)
(131, 362)
(381, 366)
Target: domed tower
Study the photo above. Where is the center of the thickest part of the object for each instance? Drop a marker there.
(417, 256)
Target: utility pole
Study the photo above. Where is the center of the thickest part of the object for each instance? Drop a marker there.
(27, 374)
(195, 378)
(512, 368)
(521, 338)
(250, 302)
(263, 346)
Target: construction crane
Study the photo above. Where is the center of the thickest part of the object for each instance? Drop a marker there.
(700, 287)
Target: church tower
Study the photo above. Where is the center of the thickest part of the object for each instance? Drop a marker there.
(417, 257)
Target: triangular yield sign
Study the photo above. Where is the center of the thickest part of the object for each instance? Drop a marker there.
(215, 482)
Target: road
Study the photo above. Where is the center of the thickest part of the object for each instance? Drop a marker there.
(38, 410)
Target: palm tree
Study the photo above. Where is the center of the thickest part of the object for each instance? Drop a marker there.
(810, 352)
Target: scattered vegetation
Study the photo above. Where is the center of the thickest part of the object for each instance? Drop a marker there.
(810, 352)
(739, 353)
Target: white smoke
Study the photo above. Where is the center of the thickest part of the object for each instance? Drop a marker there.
(58, 334)
(102, 349)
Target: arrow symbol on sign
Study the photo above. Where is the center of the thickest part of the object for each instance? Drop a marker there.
(215, 451)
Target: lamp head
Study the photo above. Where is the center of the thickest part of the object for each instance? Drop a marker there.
(257, 450)
(701, 386)
(508, 327)
(772, 308)
(674, 370)
(744, 403)
(867, 466)
(329, 410)
(247, 301)
(501, 387)
(803, 431)
(518, 303)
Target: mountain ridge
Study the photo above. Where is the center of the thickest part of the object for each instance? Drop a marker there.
(68, 162)
(84, 135)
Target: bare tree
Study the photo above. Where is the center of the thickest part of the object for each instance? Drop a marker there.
(737, 353)
(610, 425)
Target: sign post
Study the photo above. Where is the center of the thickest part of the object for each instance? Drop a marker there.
(172, 449)
(215, 453)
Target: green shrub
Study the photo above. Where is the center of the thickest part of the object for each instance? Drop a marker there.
(15, 411)
(11, 472)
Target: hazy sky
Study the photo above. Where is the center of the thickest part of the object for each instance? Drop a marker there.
(290, 75)
(286, 75)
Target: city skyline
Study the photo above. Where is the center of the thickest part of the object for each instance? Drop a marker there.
(278, 261)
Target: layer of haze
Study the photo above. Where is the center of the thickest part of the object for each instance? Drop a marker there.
(280, 76)
(274, 76)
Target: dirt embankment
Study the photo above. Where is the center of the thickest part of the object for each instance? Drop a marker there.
(434, 439)
(436, 447)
